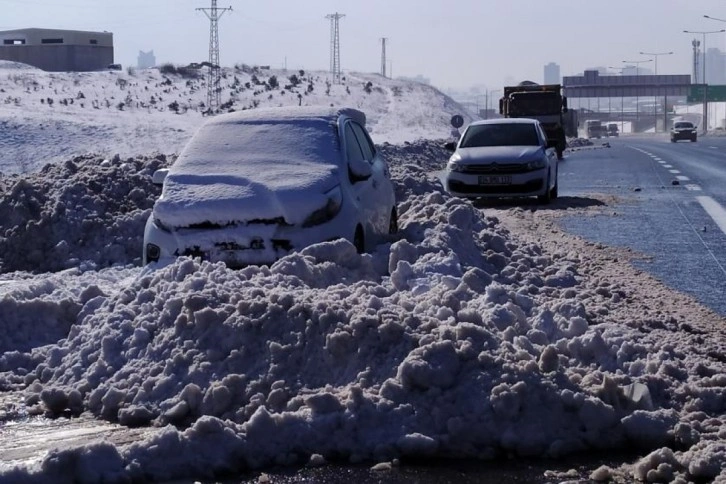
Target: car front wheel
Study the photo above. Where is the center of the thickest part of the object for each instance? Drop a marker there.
(393, 222)
(359, 240)
(547, 197)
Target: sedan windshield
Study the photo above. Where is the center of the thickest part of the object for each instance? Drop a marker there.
(502, 134)
(683, 125)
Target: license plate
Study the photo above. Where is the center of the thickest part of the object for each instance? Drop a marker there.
(495, 180)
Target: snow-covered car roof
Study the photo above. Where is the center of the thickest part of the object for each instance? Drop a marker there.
(504, 121)
(259, 164)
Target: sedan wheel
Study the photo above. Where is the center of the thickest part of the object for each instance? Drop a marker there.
(359, 240)
(393, 222)
(547, 197)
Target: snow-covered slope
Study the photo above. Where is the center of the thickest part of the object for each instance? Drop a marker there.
(50, 117)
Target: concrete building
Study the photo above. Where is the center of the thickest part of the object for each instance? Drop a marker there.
(715, 67)
(552, 74)
(146, 60)
(58, 50)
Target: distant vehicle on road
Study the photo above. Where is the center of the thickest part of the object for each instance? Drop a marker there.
(252, 186)
(683, 130)
(593, 128)
(499, 158)
(613, 130)
(543, 102)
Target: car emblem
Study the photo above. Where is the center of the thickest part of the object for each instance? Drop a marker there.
(494, 167)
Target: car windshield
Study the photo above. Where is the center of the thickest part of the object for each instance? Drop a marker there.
(684, 125)
(500, 134)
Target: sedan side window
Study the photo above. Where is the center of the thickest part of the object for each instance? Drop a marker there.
(358, 167)
(366, 145)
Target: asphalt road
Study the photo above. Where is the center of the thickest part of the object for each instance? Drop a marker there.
(668, 204)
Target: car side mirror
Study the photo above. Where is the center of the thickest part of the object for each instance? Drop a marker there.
(159, 176)
(451, 145)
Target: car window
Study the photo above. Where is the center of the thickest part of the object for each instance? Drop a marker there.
(500, 134)
(352, 148)
(364, 141)
(684, 125)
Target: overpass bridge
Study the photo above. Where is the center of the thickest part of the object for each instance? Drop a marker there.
(607, 96)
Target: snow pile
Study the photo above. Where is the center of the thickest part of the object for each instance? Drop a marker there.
(87, 209)
(460, 339)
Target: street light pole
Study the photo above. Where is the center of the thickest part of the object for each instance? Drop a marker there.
(655, 107)
(705, 84)
(622, 100)
(637, 91)
(655, 55)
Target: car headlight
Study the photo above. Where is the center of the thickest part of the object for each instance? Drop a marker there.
(454, 164)
(537, 164)
(330, 210)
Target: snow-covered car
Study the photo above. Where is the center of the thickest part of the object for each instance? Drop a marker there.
(683, 130)
(505, 157)
(252, 186)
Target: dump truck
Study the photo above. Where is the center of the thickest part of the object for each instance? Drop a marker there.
(543, 102)
(594, 129)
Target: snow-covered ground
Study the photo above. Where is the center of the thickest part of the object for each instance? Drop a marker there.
(146, 111)
(477, 333)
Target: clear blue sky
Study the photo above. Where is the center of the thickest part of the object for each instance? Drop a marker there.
(475, 42)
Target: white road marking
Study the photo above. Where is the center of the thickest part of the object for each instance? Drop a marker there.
(693, 187)
(713, 147)
(674, 171)
(715, 210)
(682, 178)
(667, 166)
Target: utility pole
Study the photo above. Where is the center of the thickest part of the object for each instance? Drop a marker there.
(383, 56)
(213, 77)
(335, 45)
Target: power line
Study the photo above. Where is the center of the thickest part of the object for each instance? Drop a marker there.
(335, 45)
(213, 78)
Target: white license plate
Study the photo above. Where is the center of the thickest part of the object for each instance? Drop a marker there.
(495, 180)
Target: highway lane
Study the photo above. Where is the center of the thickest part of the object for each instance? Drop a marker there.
(665, 200)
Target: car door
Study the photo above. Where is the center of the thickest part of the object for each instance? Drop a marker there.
(362, 187)
(551, 157)
(380, 179)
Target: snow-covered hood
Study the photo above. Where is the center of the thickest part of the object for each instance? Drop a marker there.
(281, 191)
(499, 154)
(238, 170)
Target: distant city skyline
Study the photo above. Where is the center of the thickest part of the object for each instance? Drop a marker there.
(471, 43)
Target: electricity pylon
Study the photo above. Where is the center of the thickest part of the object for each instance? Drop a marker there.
(335, 45)
(213, 77)
(383, 56)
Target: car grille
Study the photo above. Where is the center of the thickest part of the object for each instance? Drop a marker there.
(459, 187)
(209, 225)
(496, 169)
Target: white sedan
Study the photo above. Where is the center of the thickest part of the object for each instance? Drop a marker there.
(506, 157)
(252, 186)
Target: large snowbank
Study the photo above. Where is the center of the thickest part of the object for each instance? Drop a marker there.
(464, 338)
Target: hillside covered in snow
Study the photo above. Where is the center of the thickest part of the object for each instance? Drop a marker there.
(49, 117)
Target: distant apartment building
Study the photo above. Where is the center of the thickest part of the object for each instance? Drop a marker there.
(58, 50)
(146, 60)
(552, 74)
(715, 67)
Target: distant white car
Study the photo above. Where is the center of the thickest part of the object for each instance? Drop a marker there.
(504, 157)
(253, 186)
